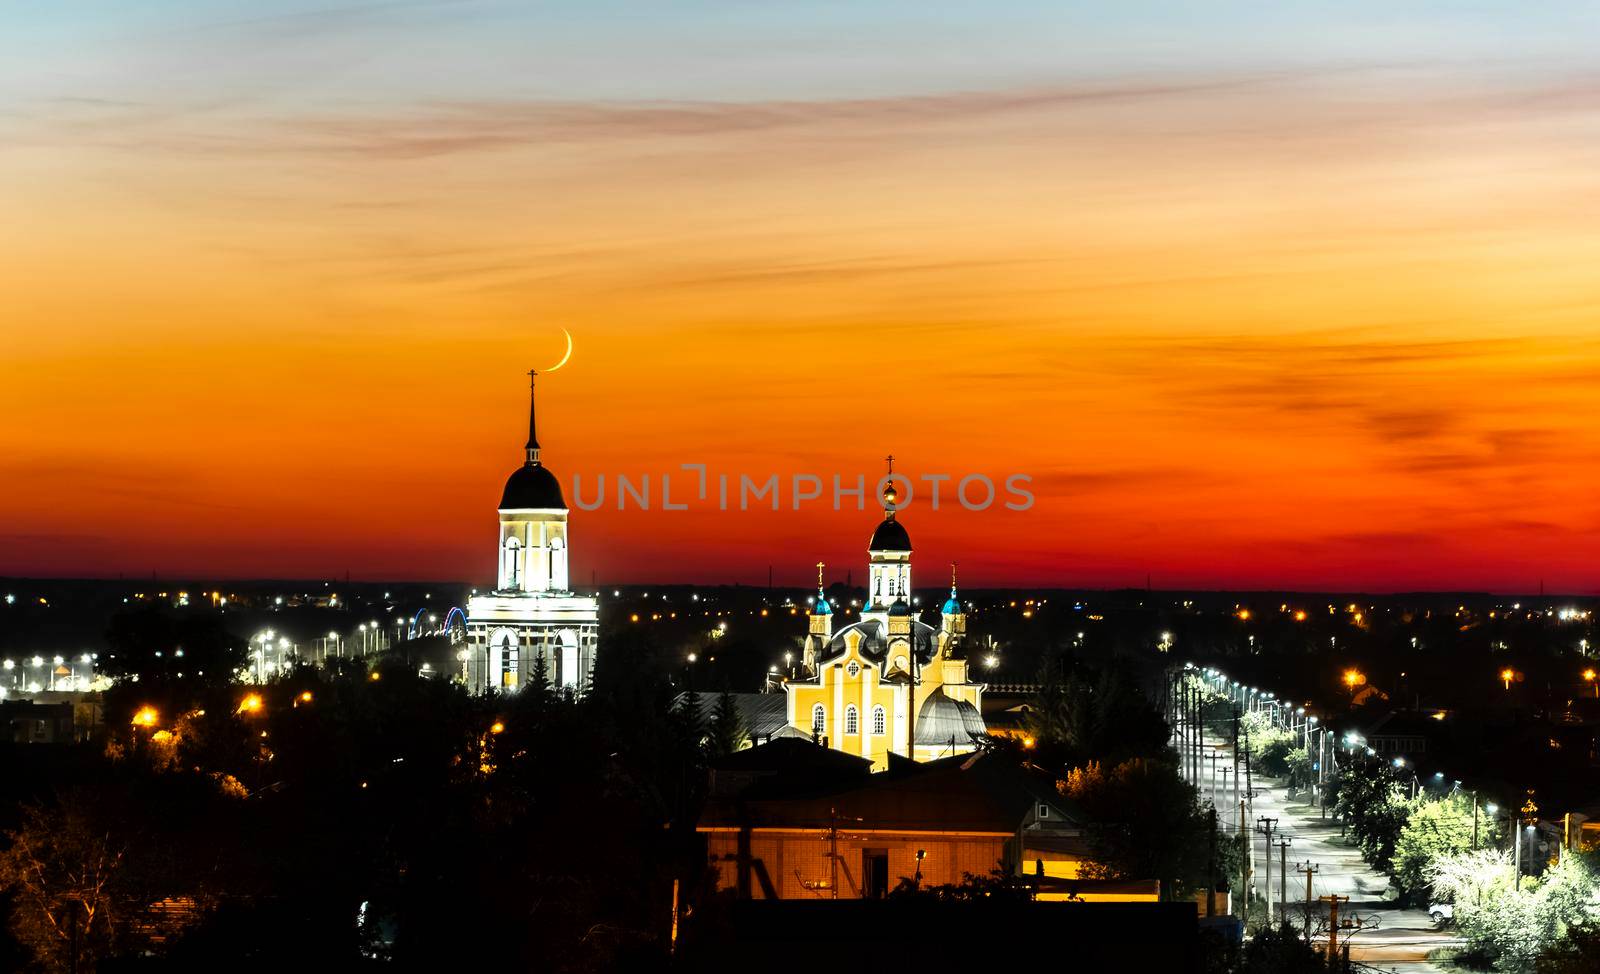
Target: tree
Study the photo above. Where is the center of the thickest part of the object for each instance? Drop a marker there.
(1368, 795)
(1280, 950)
(1508, 928)
(1577, 953)
(726, 732)
(1145, 825)
(1081, 714)
(1434, 829)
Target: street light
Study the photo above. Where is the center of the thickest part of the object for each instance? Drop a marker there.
(1506, 676)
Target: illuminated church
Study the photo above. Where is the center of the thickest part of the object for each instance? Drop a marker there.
(532, 617)
(871, 687)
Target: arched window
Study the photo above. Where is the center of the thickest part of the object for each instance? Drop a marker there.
(852, 721)
(508, 663)
(513, 566)
(880, 724)
(819, 719)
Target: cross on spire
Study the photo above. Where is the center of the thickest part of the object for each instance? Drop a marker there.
(819, 576)
(533, 436)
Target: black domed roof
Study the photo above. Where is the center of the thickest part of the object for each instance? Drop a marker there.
(890, 536)
(531, 485)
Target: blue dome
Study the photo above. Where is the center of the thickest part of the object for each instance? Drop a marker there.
(821, 606)
(951, 606)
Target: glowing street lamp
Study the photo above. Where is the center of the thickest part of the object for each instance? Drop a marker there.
(146, 717)
(250, 704)
(1589, 677)
(1507, 675)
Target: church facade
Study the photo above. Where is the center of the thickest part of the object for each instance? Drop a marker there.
(887, 683)
(532, 619)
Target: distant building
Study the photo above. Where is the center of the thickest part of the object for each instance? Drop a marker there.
(30, 722)
(532, 618)
(1400, 733)
(888, 683)
(783, 823)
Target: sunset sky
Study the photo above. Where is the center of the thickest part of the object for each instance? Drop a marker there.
(1300, 295)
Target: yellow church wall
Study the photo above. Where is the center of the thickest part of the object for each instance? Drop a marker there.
(837, 690)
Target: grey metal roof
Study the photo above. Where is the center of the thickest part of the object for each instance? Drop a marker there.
(941, 719)
(875, 643)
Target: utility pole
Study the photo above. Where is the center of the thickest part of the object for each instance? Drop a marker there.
(1310, 869)
(1211, 866)
(1236, 778)
(1200, 723)
(1322, 772)
(1474, 821)
(1283, 878)
(1248, 788)
(1246, 861)
(1265, 825)
(1516, 857)
(1333, 924)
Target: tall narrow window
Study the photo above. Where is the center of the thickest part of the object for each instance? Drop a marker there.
(513, 568)
(819, 719)
(508, 663)
(852, 721)
(879, 721)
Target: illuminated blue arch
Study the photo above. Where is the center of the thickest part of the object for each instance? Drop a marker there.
(416, 623)
(455, 614)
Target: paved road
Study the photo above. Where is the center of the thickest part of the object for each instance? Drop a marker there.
(1394, 939)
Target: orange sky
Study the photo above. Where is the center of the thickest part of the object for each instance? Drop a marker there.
(1320, 329)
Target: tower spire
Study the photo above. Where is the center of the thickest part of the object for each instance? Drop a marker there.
(952, 579)
(890, 493)
(533, 435)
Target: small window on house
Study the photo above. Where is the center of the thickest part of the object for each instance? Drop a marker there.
(852, 723)
(879, 724)
(1044, 811)
(819, 719)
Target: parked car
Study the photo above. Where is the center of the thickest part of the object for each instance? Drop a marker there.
(1442, 913)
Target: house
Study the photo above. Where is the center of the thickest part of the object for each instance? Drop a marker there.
(784, 826)
(32, 722)
(1400, 733)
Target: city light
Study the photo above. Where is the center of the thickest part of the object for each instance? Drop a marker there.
(1354, 678)
(1507, 675)
(146, 717)
(250, 704)
(497, 727)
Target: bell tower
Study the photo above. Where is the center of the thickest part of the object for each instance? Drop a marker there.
(821, 612)
(533, 523)
(888, 554)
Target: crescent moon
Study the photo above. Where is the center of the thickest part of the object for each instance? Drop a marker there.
(566, 356)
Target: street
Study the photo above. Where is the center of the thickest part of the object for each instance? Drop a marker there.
(1390, 939)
